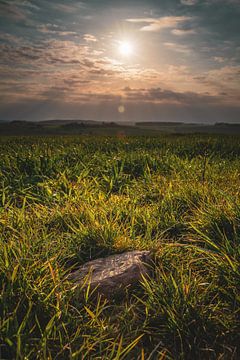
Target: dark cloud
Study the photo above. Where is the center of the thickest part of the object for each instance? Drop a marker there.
(12, 11)
(47, 52)
(107, 110)
(161, 95)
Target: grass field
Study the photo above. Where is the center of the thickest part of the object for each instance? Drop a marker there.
(66, 200)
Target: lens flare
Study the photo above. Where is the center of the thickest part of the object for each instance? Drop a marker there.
(121, 109)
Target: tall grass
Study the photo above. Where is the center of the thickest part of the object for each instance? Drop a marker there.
(67, 200)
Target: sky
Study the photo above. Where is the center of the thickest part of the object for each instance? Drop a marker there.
(157, 60)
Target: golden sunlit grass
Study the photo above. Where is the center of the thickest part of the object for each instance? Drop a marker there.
(66, 200)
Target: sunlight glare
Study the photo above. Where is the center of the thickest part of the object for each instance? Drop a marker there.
(125, 48)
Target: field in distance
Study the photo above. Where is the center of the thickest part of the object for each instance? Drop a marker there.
(90, 127)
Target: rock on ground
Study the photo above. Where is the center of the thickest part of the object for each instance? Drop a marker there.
(114, 273)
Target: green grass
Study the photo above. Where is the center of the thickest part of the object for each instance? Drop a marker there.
(66, 200)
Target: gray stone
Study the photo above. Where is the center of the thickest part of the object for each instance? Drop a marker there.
(114, 273)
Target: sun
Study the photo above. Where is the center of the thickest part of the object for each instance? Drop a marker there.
(126, 48)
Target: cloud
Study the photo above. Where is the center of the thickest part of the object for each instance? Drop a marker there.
(11, 11)
(226, 74)
(69, 9)
(48, 51)
(9, 38)
(178, 47)
(168, 96)
(29, 69)
(229, 2)
(182, 32)
(189, 2)
(223, 80)
(157, 24)
(219, 59)
(25, 3)
(54, 30)
(89, 38)
(74, 67)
